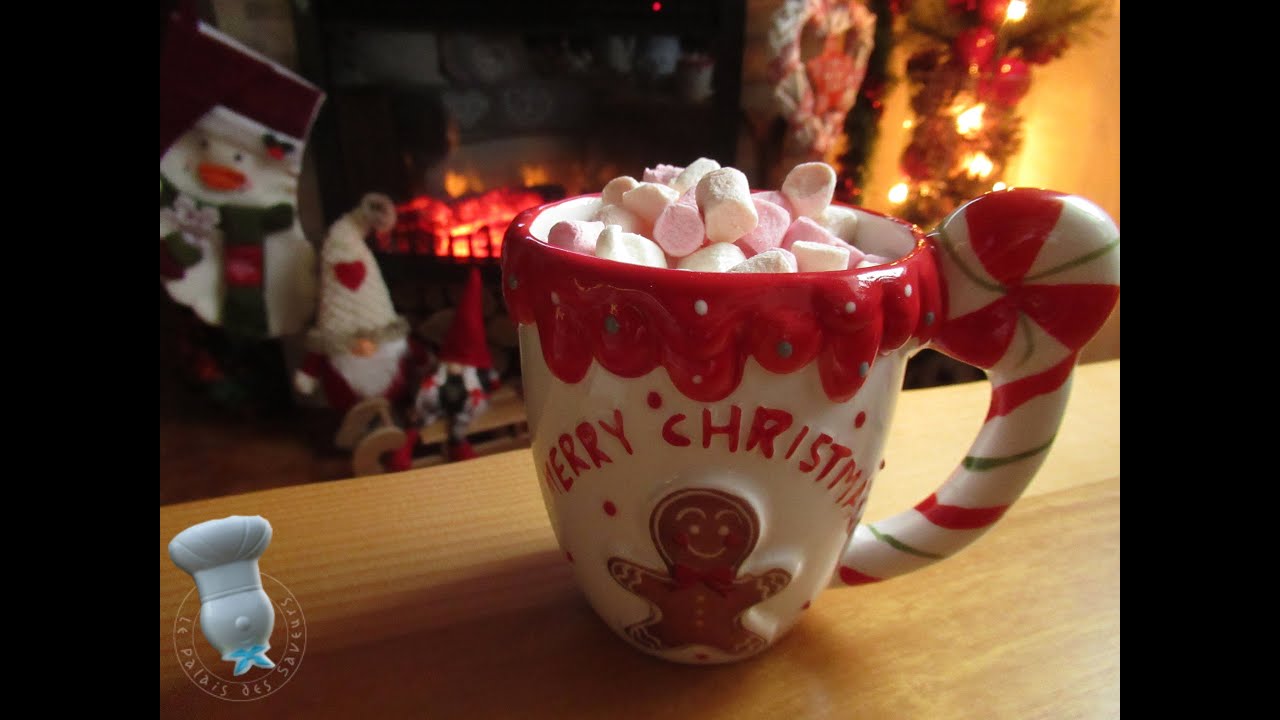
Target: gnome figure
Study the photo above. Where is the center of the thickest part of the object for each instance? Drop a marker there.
(359, 348)
(236, 615)
(459, 389)
(232, 127)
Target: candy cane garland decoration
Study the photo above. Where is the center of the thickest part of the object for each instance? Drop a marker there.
(815, 123)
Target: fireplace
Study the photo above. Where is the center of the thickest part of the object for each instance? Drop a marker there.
(466, 113)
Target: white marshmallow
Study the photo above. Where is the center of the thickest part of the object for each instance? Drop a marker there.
(716, 257)
(725, 200)
(662, 174)
(776, 260)
(819, 257)
(615, 188)
(872, 261)
(692, 175)
(620, 246)
(648, 200)
(618, 215)
(809, 187)
(841, 221)
(576, 235)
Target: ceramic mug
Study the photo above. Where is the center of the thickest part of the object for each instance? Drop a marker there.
(706, 443)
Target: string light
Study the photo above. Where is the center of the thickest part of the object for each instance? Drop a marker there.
(970, 121)
(898, 193)
(906, 124)
(1016, 11)
(979, 165)
(998, 186)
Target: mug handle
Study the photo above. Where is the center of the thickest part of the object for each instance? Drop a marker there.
(1030, 276)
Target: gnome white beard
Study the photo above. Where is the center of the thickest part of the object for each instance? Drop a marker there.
(371, 376)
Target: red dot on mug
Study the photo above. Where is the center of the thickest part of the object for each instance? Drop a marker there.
(655, 400)
(860, 420)
(610, 509)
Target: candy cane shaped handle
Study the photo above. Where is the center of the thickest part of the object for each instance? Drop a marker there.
(1030, 276)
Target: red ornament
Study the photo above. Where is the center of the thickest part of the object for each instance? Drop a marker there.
(992, 12)
(976, 46)
(1007, 84)
(915, 163)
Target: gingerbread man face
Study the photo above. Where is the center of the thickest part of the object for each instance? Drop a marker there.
(701, 529)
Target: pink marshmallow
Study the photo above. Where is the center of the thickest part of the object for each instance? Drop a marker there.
(662, 174)
(805, 229)
(776, 198)
(679, 229)
(576, 235)
(770, 229)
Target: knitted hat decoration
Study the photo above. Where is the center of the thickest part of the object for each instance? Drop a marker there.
(466, 342)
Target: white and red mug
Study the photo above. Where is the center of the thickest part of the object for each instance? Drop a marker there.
(706, 442)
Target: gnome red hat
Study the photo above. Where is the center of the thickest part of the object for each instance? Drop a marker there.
(203, 70)
(466, 343)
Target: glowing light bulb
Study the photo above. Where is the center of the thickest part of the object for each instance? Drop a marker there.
(979, 165)
(970, 121)
(998, 187)
(898, 193)
(906, 124)
(1016, 11)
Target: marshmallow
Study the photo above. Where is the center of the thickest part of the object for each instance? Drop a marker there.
(841, 221)
(692, 175)
(776, 260)
(773, 221)
(620, 246)
(716, 257)
(576, 235)
(662, 174)
(819, 257)
(648, 200)
(614, 189)
(805, 229)
(618, 215)
(872, 261)
(725, 201)
(679, 229)
(776, 198)
(809, 187)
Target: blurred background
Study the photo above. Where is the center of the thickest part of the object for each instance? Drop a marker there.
(465, 113)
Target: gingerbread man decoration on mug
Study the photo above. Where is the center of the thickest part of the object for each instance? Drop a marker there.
(703, 536)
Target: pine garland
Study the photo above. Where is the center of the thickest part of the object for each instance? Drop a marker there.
(971, 68)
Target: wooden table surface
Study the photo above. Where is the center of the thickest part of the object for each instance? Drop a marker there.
(440, 593)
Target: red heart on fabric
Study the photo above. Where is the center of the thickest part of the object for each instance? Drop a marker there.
(350, 274)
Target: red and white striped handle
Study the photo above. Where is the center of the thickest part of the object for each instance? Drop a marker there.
(1031, 276)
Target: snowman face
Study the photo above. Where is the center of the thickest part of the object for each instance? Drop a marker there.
(226, 159)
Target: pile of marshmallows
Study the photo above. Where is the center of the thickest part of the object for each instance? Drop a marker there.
(705, 218)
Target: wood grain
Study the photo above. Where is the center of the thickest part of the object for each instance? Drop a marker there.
(441, 593)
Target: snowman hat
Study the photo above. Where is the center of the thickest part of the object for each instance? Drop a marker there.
(466, 342)
(222, 555)
(354, 301)
(207, 78)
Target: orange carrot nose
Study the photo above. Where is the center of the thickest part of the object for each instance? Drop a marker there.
(220, 177)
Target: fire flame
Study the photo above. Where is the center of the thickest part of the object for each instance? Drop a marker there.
(466, 228)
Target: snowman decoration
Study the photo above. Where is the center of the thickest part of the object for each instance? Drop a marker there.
(233, 124)
(236, 615)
